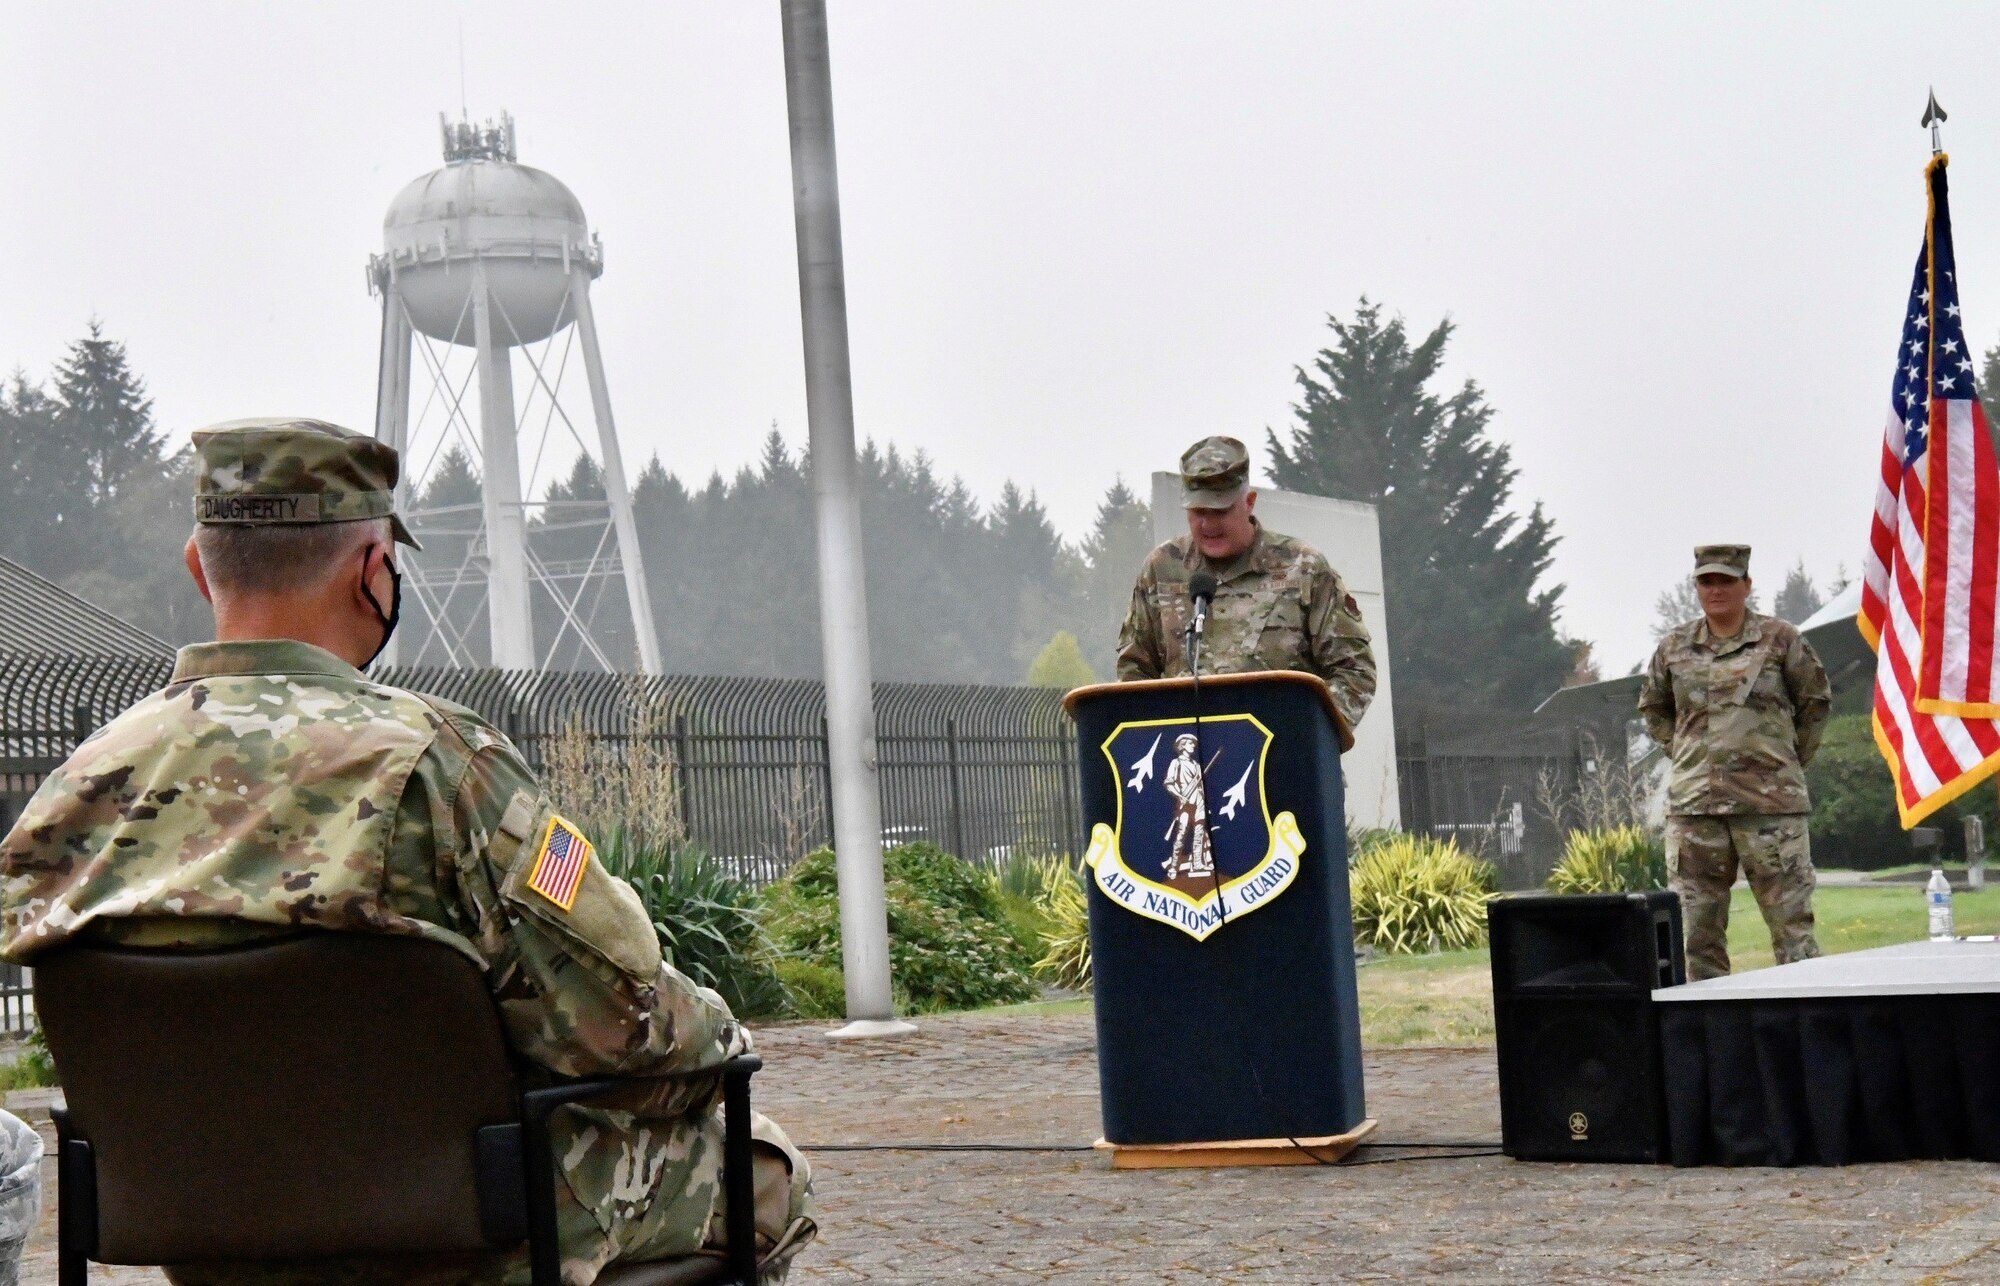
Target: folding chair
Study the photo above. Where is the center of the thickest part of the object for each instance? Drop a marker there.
(325, 1095)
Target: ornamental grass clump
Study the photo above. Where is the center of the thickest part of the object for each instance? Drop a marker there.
(1416, 894)
(1066, 941)
(1618, 859)
(710, 923)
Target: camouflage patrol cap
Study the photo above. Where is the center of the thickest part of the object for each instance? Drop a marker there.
(1215, 472)
(1728, 560)
(291, 471)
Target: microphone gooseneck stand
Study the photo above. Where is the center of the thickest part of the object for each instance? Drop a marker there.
(1202, 590)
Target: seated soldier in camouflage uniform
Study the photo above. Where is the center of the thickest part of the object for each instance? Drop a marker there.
(271, 787)
(1739, 700)
(1278, 604)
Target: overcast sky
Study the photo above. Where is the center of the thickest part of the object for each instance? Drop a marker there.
(1675, 239)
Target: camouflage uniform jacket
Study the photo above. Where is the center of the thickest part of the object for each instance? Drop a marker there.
(1278, 606)
(271, 787)
(1740, 717)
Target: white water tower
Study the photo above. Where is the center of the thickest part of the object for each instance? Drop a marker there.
(481, 259)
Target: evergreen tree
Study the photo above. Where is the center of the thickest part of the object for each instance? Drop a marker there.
(107, 419)
(572, 535)
(730, 568)
(920, 536)
(1032, 579)
(142, 577)
(76, 454)
(1799, 598)
(44, 513)
(1120, 538)
(1467, 623)
(453, 485)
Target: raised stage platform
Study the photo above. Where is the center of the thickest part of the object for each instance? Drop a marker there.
(1884, 1055)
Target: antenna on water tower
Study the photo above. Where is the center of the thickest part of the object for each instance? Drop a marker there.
(483, 258)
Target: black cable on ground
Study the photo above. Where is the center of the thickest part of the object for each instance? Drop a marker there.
(1427, 1156)
(1451, 1150)
(945, 1147)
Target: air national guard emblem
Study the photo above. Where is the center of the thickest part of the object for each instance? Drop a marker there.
(1195, 845)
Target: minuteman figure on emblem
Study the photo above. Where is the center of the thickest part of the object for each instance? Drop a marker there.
(1189, 853)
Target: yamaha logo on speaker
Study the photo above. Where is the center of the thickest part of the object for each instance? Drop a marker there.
(1579, 1127)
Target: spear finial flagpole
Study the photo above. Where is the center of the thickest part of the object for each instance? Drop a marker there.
(1933, 116)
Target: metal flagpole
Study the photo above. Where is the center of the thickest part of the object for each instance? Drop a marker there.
(843, 604)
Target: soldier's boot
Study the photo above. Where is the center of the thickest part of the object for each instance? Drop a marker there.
(1703, 862)
(1777, 860)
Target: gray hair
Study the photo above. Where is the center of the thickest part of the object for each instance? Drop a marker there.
(281, 558)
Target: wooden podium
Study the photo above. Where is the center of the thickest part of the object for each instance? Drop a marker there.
(1228, 1030)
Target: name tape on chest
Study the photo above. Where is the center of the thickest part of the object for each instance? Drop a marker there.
(561, 863)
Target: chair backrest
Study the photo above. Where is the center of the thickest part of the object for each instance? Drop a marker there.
(314, 1096)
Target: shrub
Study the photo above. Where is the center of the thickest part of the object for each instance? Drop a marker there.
(949, 945)
(1622, 859)
(709, 922)
(1018, 886)
(1854, 822)
(1413, 893)
(32, 1068)
(813, 991)
(1065, 904)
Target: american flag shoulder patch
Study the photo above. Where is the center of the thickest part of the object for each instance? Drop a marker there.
(559, 866)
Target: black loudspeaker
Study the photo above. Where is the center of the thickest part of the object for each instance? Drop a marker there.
(1579, 1043)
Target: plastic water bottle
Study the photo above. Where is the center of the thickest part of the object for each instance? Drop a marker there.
(1938, 895)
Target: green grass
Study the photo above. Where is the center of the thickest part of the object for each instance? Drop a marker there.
(1855, 919)
(1918, 868)
(1447, 998)
(1442, 999)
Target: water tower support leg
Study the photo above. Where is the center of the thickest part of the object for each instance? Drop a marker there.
(616, 488)
(509, 624)
(392, 411)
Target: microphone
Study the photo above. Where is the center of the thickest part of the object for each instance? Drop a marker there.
(1201, 587)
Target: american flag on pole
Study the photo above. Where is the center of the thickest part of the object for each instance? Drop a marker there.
(1929, 605)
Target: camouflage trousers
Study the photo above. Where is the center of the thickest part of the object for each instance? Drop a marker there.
(1775, 854)
(639, 1189)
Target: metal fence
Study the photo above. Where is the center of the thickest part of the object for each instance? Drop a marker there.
(980, 771)
(1488, 786)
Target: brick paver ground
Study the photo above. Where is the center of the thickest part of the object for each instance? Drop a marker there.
(922, 1217)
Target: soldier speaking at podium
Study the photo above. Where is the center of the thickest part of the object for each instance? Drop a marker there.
(1278, 604)
(1217, 858)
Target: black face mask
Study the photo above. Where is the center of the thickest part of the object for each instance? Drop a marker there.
(395, 612)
